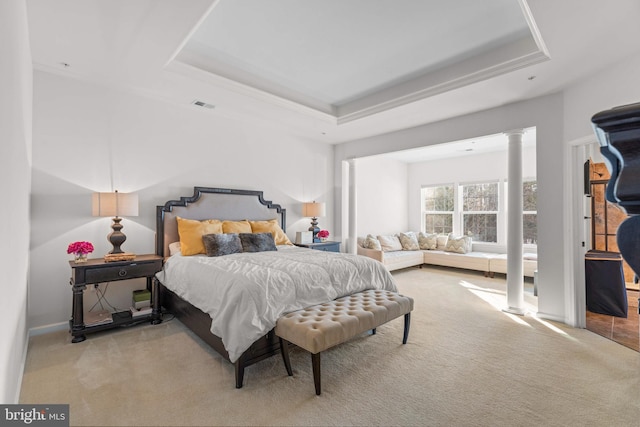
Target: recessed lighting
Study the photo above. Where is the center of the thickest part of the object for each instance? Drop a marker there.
(531, 77)
(469, 149)
(65, 64)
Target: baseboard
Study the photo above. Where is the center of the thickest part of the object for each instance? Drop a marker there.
(55, 327)
(23, 365)
(551, 317)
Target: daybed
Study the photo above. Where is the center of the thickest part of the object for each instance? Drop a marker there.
(232, 295)
(395, 254)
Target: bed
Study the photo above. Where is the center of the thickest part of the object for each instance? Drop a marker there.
(220, 298)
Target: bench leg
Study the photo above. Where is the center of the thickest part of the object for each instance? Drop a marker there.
(407, 324)
(315, 361)
(284, 350)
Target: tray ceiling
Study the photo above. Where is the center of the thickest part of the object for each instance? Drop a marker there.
(352, 59)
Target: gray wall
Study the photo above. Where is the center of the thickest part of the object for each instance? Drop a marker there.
(90, 138)
(15, 181)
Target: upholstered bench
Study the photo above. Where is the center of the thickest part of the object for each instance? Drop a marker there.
(323, 326)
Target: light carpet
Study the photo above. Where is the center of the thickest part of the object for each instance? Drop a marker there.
(466, 364)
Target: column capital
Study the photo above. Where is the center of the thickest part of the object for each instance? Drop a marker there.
(511, 132)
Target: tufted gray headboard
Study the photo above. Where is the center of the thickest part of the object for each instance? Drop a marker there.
(212, 203)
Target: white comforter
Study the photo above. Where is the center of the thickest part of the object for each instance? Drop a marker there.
(246, 293)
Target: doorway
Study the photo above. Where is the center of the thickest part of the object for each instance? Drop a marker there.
(605, 219)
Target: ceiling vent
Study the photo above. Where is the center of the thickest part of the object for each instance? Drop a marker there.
(203, 104)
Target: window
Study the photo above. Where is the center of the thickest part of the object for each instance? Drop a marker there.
(530, 212)
(437, 209)
(480, 211)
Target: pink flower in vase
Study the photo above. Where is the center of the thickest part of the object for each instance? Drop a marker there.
(80, 250)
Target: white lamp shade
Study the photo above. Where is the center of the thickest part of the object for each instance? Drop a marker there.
(313, 209)
(115, 204)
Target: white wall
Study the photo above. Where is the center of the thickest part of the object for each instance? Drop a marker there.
(618, 84)
(15, 159)
(91, 138)
(382, 196)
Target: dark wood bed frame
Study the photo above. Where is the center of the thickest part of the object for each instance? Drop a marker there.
(214, 203)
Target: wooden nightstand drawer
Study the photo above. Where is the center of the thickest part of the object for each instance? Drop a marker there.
(122, 272)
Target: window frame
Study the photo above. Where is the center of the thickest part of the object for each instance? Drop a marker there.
(462, 212)
(533, 244)
(425, 212)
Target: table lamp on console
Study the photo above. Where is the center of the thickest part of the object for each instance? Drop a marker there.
(314, 210)
(115, 205)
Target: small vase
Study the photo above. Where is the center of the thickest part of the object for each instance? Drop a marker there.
(323, 239)
(80, 258)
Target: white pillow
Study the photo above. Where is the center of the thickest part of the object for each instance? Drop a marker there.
(174, 248)
(371, 242)
(409, 241)
(458, 244)
(530, 256)
(390, 243)
(427, 241)
(441, 242)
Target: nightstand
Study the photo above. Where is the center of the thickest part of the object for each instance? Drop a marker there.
(322, 246)
(96, 271)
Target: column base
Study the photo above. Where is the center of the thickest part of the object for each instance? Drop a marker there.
(515, 310)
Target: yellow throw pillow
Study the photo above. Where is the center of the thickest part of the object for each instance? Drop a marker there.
(236, 226)
(191, 232)
(272, 227)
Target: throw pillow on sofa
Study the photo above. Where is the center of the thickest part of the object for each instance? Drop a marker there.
(409, 241)
(428, 241)
(441, 242)
(390, 243)
(371, 242)
(458, 244)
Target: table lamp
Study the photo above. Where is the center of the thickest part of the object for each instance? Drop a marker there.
(314, 210)
(115, 205)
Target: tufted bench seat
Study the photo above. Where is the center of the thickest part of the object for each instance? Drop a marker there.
(323, 326)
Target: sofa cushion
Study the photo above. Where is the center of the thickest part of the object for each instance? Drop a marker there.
(371, 242)
(498, 264)
(428, 241)
(390, 243)
(409, 241)
(458, 244)
(479, 261)
(395, 260)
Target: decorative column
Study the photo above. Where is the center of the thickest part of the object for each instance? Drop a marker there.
(352, 242)
(515, 281)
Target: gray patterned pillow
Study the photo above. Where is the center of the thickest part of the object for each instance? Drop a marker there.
(409, 241)
(222, 244)
(458, 244)
(428, 241)
(257, 242)
(372, 243)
